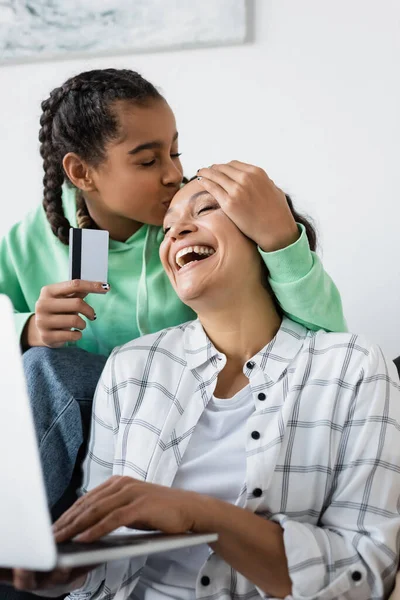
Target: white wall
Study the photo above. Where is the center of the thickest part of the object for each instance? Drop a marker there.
(314, 100)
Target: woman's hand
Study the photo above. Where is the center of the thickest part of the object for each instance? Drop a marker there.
(253, 202)
(57, 313)
(63, 579)
(124, 501)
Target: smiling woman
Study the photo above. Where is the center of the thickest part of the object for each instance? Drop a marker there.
(195, 219)
(199, 212)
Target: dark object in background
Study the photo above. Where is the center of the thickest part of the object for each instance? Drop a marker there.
(397, 363)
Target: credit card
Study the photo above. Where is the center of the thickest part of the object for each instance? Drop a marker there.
(88, 254)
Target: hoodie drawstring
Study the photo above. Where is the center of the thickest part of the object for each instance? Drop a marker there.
(142, 305)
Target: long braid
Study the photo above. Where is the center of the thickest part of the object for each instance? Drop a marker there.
(78, 117)
(83, 218)
(53, 172)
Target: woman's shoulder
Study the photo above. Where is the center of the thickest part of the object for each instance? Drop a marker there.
(352, 356)
(326, 341)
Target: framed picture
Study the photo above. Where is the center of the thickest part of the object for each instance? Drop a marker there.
(43, 29)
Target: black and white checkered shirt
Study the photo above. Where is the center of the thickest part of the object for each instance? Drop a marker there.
(326, 466)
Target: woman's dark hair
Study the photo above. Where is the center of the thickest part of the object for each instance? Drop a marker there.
(306, 222)
(79, 117)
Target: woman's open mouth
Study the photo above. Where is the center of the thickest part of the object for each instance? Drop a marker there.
(192, 255)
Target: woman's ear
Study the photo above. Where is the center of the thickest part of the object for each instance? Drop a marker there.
(78, 172)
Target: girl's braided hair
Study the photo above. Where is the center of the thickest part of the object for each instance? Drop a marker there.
(78, 117)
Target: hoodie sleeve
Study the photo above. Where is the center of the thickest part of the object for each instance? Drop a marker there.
(11, 285)
(302, 287)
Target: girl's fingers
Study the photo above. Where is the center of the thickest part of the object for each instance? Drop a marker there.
(75, 287)
(60, 322)
(55, 306)
(244, 167)
(59, 337)
(223, 179)
(218, 192)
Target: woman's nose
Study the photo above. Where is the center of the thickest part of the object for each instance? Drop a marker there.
(180, 230)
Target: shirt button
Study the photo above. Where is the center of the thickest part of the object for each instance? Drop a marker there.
(356, 576)
(205, 580)
(257, 492)
(255, 435)
(250, 364)
(262, 396)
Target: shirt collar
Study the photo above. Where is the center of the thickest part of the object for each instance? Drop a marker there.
(273, 359)
(198, 347)
(276, 356)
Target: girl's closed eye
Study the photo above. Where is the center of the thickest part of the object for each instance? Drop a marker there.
(150, 163)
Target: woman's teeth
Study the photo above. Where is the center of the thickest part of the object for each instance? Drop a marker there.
(203, 251)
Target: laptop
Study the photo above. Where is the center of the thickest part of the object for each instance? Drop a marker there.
(26, 536)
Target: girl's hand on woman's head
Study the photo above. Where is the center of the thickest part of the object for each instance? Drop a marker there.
(127, 502)
(56, 320)
(253, 202)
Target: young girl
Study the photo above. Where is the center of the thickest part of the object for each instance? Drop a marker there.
(109, 144)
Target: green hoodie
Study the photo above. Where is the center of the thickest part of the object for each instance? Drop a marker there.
(141, 299)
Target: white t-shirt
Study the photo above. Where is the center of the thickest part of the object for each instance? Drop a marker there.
(214, 464)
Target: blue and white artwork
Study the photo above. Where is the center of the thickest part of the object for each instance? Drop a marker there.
(38, 29)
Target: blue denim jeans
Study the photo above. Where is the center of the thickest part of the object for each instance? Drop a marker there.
(61, 385)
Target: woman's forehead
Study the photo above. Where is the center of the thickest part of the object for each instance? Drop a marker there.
(185, 198)
(186, 193)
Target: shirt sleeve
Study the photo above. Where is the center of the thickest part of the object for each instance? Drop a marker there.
(10, 285)
(302, 287)
(107, 579)
(354, 553)
(98, 464)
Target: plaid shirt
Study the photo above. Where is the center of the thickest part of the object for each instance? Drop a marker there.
(326, 466)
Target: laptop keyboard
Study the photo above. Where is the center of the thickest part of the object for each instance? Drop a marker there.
(112, 541)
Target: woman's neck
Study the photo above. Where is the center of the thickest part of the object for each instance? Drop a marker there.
(243, 326)
(239, 328)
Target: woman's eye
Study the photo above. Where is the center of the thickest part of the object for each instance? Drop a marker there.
(206, 208)
(149, 164)
(176, 155)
